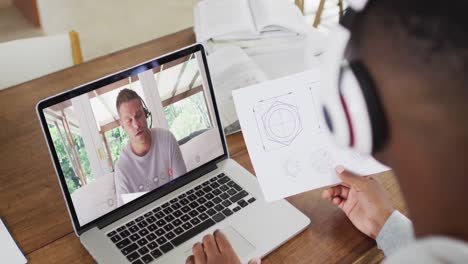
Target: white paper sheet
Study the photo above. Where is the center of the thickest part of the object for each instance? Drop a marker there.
(9, 253)
(290, 148)
(128, 197)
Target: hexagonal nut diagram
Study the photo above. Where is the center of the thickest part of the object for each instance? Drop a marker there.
(282, 123)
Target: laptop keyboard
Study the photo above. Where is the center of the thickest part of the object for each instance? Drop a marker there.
(156, 232)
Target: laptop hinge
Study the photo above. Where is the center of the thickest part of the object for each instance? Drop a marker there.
(151, 197)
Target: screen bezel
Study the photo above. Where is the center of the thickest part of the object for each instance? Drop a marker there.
(150, 196)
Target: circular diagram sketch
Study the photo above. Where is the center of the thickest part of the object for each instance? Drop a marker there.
(278, 121)
(321, 161)
(293, 167)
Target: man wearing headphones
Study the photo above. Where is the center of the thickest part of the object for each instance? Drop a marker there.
(402, 96)
(152, 156)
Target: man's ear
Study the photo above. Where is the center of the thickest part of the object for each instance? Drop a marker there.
(120, 123)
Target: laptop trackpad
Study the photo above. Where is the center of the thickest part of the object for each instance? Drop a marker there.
(240, 245)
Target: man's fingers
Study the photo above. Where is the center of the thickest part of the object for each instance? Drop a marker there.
(190, 260)
(209, 244)
(255, 261)
(223, 244)
(349, 178)
(198, 253)
(335, 191)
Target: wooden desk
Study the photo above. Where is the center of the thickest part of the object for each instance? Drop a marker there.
(33, 208)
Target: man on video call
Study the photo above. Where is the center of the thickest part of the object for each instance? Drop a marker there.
(152, 156)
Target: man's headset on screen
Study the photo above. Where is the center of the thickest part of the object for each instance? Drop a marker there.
(146, 111)
(351, 107)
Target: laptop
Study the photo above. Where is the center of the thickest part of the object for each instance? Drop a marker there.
(124, 216)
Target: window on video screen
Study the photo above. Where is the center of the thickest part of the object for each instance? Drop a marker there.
(133, 136)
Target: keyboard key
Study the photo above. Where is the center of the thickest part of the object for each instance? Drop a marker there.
(193, 213)
(207, 189)
(219, 207)
(192, 197)
(161, 222)
(221, 175)
(129, 249)
(151, 237)
(156, 253)
(143, 250)
(124, 233)
(227, 212)
(203, 216)
(178, 230)
(129, 224)
(237, 208)
(185, 209)
(165, 205)
(142, 242)
(223, 180)
(237, 187)
(133, 256)
(230, 183)
(168, 210)
(195, 221)
(185, 218)
(224, 196)
(160, 232)
(152, 227)
(201, 200)
(182, 196)
(170, 235)
(214, 185)
(201, 208)
(187, 226)
(143, 232)
(152, 245)
(226, 203)
(193, 232)
(138, 261)
(116, 238)
(238, 196)
(184, 201)
(174, 200)
(147, 258)
(134, 237)
(157, 209)
(213, 179)
(216, 192)
(231, 192)
(177, 213)
(190, 191)
(151, 219)
(148, 214)
(177, 222)
(140, 218)
(217, 200)
(200, 193)
(251, 200)
(209, 196)
(161, 240)
(166, 247)
(123, 243)
(242, 203)
(209, 204)
(206, 183)
(142, 224)
(134, 229)
(193, 205)
(159, 215)
(176, 206)
(169, 218)
(223, 188)
(111, 234)
(211, 212)
(168, 227)
(120, 229)
(218, 217)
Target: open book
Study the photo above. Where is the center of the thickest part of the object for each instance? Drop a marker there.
(246, 19)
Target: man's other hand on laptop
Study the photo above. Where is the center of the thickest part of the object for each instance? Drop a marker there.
(215, 249)
(365, 202)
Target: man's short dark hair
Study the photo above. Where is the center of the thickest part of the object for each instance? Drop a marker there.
(126, 95)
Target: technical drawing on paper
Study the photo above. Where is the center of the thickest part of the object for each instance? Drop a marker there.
(278, 121)
(315, 105)
(321, 161)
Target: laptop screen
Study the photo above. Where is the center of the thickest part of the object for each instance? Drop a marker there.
(132, 133)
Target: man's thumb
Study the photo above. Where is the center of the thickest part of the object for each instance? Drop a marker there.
(348, 177)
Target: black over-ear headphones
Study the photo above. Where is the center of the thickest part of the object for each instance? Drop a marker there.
(147, 112)
(350, 103)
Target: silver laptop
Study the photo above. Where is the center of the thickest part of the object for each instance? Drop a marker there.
(191, 189)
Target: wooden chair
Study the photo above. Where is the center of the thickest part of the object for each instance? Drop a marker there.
(26, 59)
(318, 14)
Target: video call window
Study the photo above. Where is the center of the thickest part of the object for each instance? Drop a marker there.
(89, 139)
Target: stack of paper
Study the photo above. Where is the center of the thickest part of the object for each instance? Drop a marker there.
(9, 251)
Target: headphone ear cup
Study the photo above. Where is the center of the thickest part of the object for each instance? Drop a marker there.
(373, 113)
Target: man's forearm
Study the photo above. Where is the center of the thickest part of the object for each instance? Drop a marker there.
(396, 232)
